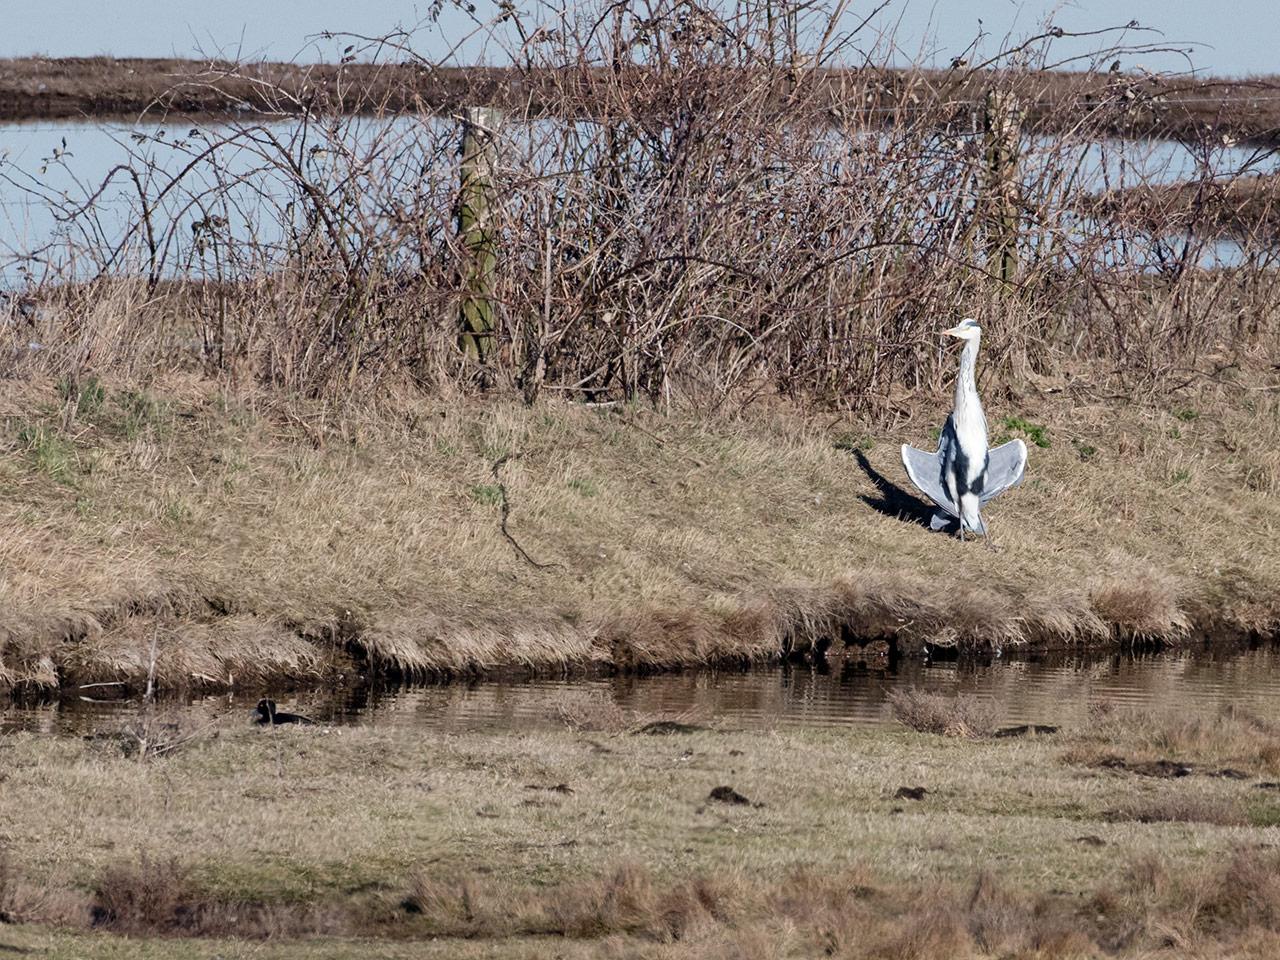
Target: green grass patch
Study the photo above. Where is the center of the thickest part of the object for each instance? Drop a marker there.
(1084, 451)
(139, 411)
(176, 513)
(88, 396)
(584, 486)
(1264, 815)
(851, 442)
(486, 494)
(1037, 433)
(52, 455)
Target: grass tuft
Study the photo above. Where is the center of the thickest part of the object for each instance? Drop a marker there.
(1035, 432)
(51, 454)
(959, 716)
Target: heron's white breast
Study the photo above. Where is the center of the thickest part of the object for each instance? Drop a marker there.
(971, 434)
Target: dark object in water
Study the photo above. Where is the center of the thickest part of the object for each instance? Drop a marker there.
(268, 714)
(729, 795)
(910, 793)
(667, 727)
(1024, 729)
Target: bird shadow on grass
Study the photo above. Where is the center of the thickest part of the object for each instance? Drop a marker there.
(892, 500)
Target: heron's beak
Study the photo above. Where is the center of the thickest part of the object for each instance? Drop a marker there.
(953, 332)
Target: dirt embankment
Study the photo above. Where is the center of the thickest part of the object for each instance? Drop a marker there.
(1244, 207)
(218, 539)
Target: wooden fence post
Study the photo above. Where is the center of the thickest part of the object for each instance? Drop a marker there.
(476, 214)
(1002, 126)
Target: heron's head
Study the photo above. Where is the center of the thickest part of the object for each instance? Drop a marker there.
(966, 329)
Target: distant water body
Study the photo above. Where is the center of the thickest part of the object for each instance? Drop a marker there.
(67, 162)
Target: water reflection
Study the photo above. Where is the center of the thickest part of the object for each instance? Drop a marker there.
(1057, 690)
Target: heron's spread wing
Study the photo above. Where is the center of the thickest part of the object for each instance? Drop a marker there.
(1005, 466)
(925, 471)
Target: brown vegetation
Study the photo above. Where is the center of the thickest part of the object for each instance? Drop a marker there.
(718, 231)
(1226, 907)
(1182, 808)
(1237, 206)
(961, 716)
(408, 834)
(260, 456)
(244, 540)
(150, 898)
(1234, 739)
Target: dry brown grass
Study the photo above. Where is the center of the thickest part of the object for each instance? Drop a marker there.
(251, 539)
(159, 898)
(1181, 807)
(960, 716)
(1140, 607)
(406, 835)
(1232, 740)
(1226, 905)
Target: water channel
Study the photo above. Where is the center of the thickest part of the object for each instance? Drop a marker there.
(1051, 689)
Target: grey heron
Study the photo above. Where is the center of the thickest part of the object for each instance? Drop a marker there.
(964, 473)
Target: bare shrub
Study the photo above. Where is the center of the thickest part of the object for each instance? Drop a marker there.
(624, 901)
(592, 712)
(450, 904)
(1244, 892)
(159, 897)
(695, 201)
(146, 896)
(808, 911)
(22, 901)
(8, 890)
(960, 716)
(627, 900)
(1227, 900)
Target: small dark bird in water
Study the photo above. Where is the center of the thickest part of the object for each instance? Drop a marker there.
(268, 714)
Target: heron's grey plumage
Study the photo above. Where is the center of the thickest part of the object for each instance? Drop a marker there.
(964, 473)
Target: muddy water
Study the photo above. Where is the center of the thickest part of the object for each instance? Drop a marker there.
(1056, 690)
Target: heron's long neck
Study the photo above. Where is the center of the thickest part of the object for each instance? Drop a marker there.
(967, 401)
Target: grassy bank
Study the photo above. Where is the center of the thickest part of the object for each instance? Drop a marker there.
(606, 842)
(1239, 207)
(216, 538)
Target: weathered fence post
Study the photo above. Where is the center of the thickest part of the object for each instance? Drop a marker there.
(477, 230)
(1002, 127)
